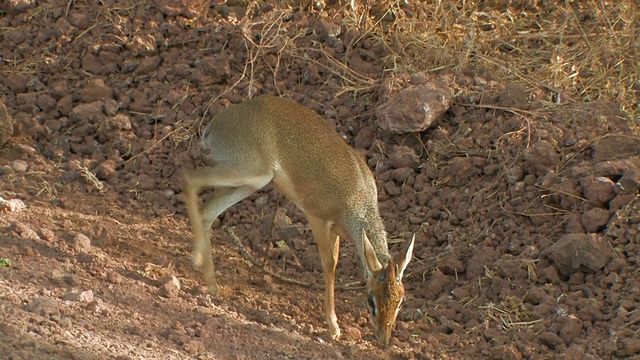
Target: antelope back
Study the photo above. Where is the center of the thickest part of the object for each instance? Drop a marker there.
(311, 164)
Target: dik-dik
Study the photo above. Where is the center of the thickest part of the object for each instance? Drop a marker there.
(273, 140)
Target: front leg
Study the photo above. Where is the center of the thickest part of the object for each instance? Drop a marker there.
(329, 304)
(328, 248)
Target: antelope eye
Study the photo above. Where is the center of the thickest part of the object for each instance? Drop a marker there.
(372, 304)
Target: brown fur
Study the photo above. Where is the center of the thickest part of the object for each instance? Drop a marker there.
(273, 140)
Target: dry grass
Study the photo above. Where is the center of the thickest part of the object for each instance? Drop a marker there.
(561, 52)
(508, 315)
(91, 178)
(578, 51)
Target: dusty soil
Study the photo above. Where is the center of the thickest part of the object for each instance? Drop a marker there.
(525, 215)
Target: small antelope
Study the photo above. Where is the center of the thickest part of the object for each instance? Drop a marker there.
(273, 140)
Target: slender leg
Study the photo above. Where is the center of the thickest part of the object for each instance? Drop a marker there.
(229, 191)
(328, 247)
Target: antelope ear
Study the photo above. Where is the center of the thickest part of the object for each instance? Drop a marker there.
(370, 255)
(392, 268)
(404, 259)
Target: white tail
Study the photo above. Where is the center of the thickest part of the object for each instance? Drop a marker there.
(273, 140)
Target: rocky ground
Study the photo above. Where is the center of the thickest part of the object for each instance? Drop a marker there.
(526, 215)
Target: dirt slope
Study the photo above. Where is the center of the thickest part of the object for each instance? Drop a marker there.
(525, 214)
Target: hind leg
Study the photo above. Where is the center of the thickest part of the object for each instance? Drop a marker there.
(229, 190)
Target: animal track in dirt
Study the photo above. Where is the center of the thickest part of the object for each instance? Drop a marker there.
(526, 219)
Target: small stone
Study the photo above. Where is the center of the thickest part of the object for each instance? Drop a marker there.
(578, 252)
(599, 191)
(514, 96)
(549, 274)
(403, 157)
(291, 231)
(29, 234)
(514, 174)
(13, 205)
(458, 172)
(352, 333)
(82, 243)
(85, 296)
(94, 306)
(79, 19)
(170, 287)
(91, 63)
(491, 169)
(436, 284)
(96, 91)
(451, 266)
(261, 201)
(617, 264)
(104, 235)
(628, 347)
(46, 102)
(111, 106)
(85, 258)
(87, 112)
(267, 280)
(216, 69)
(148, 65)
(44, 306)
(576, 352)
(550, 339)
(299, 244)
(573, 224)
(327, 30)
(46, 234)
(281, 219)
(630, 181)
(18, 6)
(491, 334)
(535, 296)
(17, 82)
(194, 347)
(414, 109)
(113, 277)
(365, 138)
(65, 323)
(144, 45)
(541, 157)
(65, 105)
(79, 296)
(19, 166)
(618, 146)
(59, 89)
(594, 219)
(506, 352)
(168, 194)
(402, 325)
(106, 170)
(392, 189)
(570, 329)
